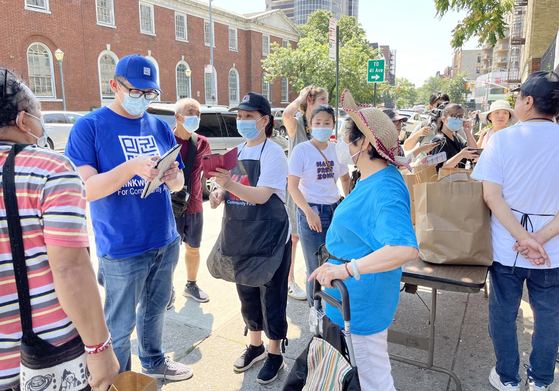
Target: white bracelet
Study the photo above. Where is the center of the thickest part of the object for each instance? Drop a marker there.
(99, 348)
(356, 274)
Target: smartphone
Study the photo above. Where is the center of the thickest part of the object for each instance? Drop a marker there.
(477, 150)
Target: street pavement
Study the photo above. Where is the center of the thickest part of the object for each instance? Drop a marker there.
(209, 337)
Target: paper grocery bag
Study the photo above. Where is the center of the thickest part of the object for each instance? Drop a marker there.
(134, 381)
(455, 174)
(409, 179)
(426, 174)
(452, 223)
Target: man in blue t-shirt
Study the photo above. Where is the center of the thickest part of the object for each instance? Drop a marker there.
(115, 149)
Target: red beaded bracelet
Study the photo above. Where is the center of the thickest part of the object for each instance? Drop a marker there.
(347, 270)
(99, 348)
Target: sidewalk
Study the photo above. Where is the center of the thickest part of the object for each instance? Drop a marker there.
(209, 337)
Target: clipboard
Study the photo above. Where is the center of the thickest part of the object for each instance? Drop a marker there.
(163, 164)
(227, 161)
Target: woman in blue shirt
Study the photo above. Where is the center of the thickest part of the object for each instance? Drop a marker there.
(372, 231)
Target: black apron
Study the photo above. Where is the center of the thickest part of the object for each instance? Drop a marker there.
(251, 244)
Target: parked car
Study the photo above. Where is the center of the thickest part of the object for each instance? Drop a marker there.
(278, 121)
(218, 125)
(413, 120)
(59, 124)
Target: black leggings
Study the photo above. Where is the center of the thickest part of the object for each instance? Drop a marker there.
(264, 307)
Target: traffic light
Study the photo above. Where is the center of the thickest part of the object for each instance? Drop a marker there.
(399, 89)
(506, 90)
(467, 85)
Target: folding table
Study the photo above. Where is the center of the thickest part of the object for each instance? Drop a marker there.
(454, 278)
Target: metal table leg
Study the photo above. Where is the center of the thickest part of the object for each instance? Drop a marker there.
(423, 343)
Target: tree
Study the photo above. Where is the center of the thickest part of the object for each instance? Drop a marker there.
(456, 88)
(485, 19)
(309, 63)
(512, 101)
(432, 84)
(406, 93)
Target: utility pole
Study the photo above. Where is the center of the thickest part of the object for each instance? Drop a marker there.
(337, 74)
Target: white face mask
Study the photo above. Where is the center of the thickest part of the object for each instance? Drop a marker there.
(343, 152)
(41, 141)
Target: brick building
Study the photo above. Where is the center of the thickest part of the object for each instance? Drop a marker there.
(540, 27)
(174, 34)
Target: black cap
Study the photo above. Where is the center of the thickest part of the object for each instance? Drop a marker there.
(394, 116)
(540, 84)
(254, 102)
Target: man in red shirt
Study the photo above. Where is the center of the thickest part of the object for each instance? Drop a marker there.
(190, 222)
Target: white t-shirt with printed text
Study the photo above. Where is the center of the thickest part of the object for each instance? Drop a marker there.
(523, 159)
(273, 165)
(317, 183)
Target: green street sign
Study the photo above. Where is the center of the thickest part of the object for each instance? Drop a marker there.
(375, 71)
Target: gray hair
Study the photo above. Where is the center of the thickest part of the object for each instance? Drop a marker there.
(17, 97)
(183, 103)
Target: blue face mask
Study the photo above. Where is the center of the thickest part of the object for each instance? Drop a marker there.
(191, 123)
(455, 124)
(135, 106)
(247, 128)
(322, 134)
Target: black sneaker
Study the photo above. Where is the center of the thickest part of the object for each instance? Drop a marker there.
(193, 290)
(270, 371)
(251, 355)
(171, 302)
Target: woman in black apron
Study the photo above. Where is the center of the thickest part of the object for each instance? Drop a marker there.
(253, 249)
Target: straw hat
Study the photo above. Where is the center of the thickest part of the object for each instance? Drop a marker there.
(498, 105)
(377, 127)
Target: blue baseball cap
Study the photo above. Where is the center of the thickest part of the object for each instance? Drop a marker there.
(139, 71)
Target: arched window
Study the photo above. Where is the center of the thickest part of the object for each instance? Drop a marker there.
(41, 72)
(107, 67)
(233, 87)
(210, 93)
(157, 69)
(183, 80)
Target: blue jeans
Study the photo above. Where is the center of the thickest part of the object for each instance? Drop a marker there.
(504, 300)
(312, 240)
(142, 282)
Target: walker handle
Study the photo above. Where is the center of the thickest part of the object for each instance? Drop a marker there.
(342, 305)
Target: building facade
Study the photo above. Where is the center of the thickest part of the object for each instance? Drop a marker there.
(467, 61)
(390, 57)
(352, 8)
(173, 34)
(299, 10)
(540, 27)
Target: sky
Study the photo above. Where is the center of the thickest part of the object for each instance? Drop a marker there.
(421, 40)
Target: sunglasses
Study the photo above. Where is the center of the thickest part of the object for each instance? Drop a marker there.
(313, 86)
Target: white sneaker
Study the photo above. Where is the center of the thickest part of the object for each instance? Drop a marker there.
(532, 386)
(496, 382)
(294, 291)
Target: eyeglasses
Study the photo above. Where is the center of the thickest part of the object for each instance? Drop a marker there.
(135, 93)
(459, 117)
